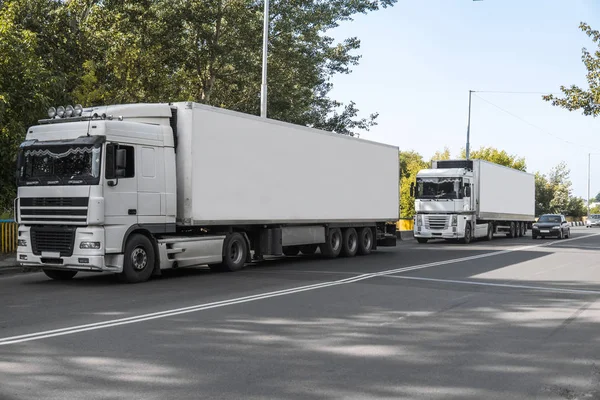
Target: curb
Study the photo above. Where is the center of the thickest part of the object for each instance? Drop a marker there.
(405, 235)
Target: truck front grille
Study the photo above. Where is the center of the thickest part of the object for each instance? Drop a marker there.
(53, 239)
(57, 210)
(436, 222)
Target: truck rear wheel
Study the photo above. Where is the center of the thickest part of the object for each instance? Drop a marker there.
(365, 241)
(333, 246)
(58, 275)
(139, 259)
(309, 249)
(291, 250)
(350, 243)
(523, 229)
(513, 231)
(519, 229)
(422, 240)
(234, 253)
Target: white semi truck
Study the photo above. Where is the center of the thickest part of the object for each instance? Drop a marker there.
(468, 199)
(138, 188)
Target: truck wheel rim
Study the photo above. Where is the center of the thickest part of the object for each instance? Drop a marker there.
(139, 258)
(235, 253)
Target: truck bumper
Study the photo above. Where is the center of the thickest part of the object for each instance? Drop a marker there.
(81, 257)
(445, 234)
(75, 262)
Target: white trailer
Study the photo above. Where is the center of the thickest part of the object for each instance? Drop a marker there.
(467, 199)
(135, 189)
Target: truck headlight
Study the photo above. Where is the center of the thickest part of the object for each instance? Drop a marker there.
(535, 226)
(454, 220)
(419, 221)
(89, 245)
(21, 243)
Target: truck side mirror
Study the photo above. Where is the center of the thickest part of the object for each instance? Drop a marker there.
(412, 189)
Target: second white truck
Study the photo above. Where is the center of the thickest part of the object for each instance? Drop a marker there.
(468, 199)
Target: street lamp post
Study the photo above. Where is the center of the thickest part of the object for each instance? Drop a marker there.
(469, 127)
(589, 179)
(263, 88)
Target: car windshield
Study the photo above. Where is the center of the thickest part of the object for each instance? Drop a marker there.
(60, 165)
(439, 188)
(595, 216)
(550, 218)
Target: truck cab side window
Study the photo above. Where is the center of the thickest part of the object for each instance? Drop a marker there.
(128, 169)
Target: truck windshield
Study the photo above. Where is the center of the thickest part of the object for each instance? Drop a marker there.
(439, 188)
(59, 165)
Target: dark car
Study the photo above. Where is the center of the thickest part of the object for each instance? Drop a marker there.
(551, 225)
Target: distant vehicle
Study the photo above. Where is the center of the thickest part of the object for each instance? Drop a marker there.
(593, 220)
(468, 199)
(551, 225)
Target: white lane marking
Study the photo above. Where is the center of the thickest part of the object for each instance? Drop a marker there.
(503, 285)
(201, 307)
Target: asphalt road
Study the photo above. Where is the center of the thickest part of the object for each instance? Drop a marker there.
(507, 319)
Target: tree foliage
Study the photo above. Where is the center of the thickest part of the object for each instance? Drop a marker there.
(553, 193)
(55, 52)
(585, 99)
(411, 163)
(500, 157)
(441, 155)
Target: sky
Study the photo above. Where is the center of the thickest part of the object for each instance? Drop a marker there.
(420, 58)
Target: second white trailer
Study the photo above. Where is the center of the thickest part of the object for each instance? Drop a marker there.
(467, 199)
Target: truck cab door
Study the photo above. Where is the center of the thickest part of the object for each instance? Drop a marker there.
(467, 196)
(121, 194)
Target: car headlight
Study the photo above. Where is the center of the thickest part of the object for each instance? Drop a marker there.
(89, 245)
(556, 227)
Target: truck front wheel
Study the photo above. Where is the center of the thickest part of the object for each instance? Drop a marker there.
(139, 259)
(58, 275)
(422, 240)
(333, 246)
(467, 238)
(365, 241)
(291, 251)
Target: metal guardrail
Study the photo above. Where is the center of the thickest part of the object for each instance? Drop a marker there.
(8, 236)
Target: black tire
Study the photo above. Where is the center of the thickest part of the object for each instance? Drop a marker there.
(513, 231)
(422, 240)
(468, 234)
(291, 251)
(333, 246)
(138, 263)
(523, 229)
(534, 237)
(350, 243)
(59, 275)
(490, 232)
(561, 234)
(518, 229)
(309, 249)
(568, 233)
(235, 252)
(365, 241)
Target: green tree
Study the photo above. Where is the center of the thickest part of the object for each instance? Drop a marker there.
(543, 194)
(411, 162)
(441, 155)
(496, 156)
(575, 97)
(210, 51)
(561, 186)
(595, 210)
(576, 207)
(37, 66)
